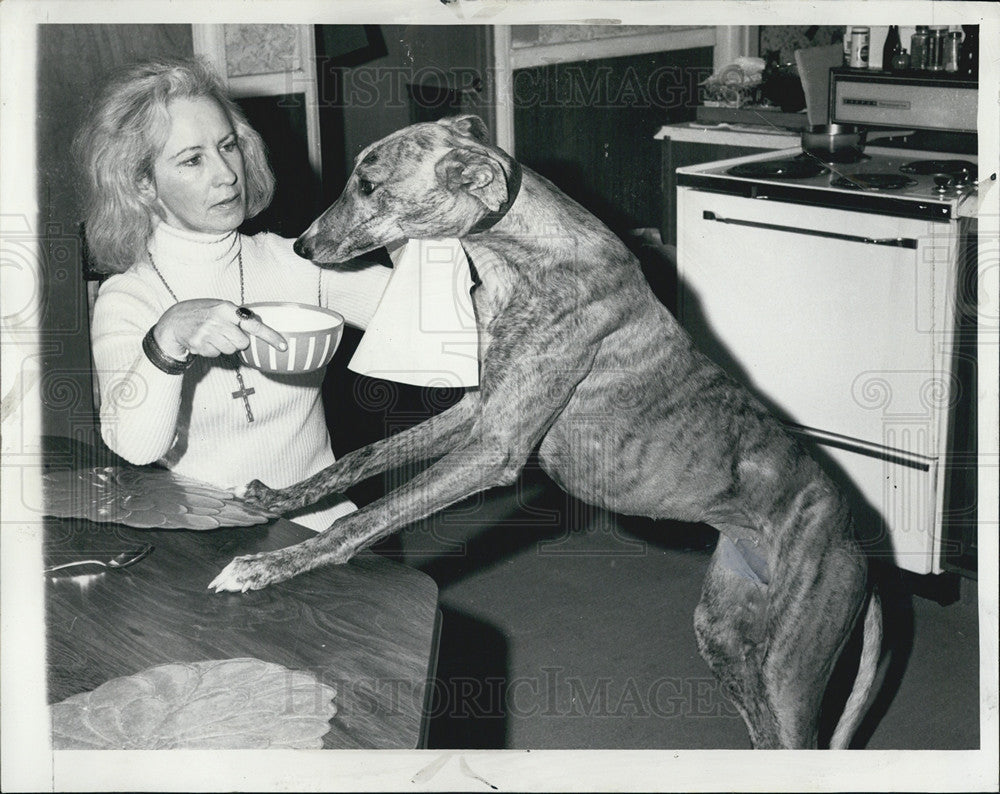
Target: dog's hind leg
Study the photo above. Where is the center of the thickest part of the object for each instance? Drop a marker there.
(812, 608)
(429, 439)
(772, 637)
(730, 624)
(816, 592)
(772, 626)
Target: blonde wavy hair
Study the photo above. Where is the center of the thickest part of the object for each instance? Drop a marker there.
(121, 137)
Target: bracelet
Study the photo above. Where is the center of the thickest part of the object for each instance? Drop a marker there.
(161, 360)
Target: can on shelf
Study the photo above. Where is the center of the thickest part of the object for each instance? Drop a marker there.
(860, 40)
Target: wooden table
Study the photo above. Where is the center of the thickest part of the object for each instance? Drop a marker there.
(369, 627)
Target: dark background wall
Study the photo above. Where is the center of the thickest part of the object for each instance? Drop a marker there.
(281, 122)
(589, 127)
(366, 73)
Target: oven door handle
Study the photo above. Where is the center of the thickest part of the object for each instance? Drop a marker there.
(893, 242)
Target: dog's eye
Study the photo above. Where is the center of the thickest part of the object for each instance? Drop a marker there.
(365, 187)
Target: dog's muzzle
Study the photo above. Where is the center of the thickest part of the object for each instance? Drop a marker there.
(302, 248)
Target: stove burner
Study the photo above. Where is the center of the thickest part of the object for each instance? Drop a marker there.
(950, 167)
(778, 169)
(873, 181)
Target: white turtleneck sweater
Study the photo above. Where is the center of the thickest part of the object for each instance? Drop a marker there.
(191, 423)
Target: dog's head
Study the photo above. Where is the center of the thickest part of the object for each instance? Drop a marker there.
(430, 180)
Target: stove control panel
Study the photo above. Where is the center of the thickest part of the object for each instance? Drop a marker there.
(885, 99)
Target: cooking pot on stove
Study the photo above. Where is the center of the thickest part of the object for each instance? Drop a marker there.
(833, 143)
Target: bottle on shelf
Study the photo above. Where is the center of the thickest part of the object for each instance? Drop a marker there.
(891, 48)
(918, 47)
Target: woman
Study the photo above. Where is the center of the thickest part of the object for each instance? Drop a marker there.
(173, 169)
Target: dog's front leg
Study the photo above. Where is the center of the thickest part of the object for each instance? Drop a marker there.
(429, 439)
(512, 418)
(463, 472)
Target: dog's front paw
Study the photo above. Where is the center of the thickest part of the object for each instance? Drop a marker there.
(248, 573)
(259, 495)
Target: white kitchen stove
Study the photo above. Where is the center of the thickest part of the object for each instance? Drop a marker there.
(841, 293)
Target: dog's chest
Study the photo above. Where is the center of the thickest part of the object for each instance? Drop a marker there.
(490, 297)
(485, 308)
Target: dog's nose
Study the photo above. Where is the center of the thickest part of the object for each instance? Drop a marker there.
(302, 248)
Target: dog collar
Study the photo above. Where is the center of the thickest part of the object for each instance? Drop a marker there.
(491, 219)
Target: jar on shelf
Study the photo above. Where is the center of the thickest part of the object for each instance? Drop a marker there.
(918, 47)
(952, 51)
(935, 48)
(901, 61)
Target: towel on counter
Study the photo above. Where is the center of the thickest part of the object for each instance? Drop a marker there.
(423, 331)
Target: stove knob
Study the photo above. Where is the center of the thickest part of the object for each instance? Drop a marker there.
(943, 183)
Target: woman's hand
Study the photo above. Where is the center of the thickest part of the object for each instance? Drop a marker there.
(209, 327)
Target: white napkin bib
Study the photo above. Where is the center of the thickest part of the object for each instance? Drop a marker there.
(423, 331)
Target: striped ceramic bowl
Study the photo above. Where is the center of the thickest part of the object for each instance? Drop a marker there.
(312, 333)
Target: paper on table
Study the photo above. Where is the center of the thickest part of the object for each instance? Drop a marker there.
(424, 329)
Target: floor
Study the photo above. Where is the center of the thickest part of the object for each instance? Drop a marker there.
(567, 627)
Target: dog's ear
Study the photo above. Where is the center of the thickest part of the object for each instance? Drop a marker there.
(475, 172)
(471, 126)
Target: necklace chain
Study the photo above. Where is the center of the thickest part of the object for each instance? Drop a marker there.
(165, 284)
(243, 392)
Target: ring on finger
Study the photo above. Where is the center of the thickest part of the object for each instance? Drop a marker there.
(243, 313)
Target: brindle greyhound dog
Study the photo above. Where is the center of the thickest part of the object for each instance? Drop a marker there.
(579, 360)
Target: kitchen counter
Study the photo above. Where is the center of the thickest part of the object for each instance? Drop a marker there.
(752, 136)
